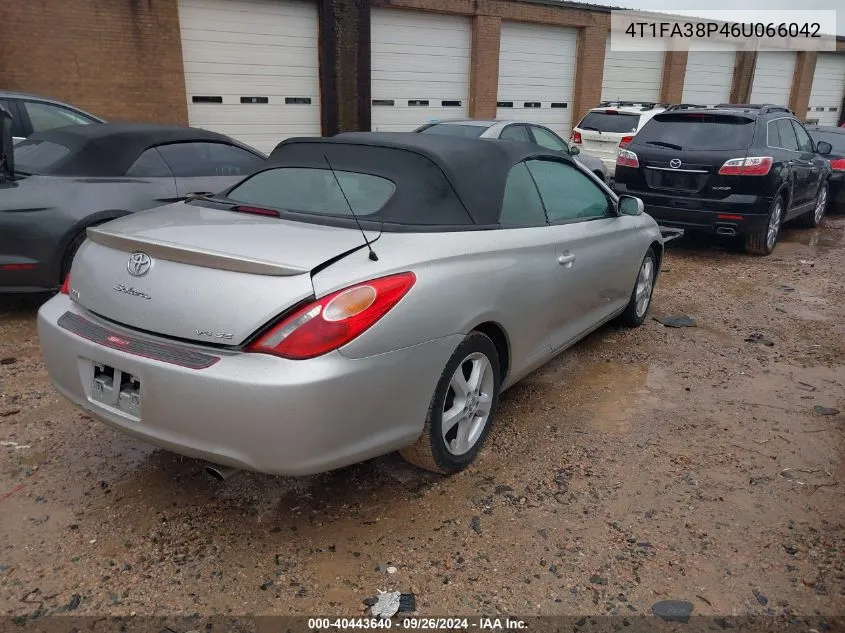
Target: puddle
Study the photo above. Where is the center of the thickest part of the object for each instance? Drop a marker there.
(824, 238)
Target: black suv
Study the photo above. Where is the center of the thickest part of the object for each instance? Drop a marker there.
(727, 169)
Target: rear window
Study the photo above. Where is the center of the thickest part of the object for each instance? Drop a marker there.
(37, 157)
(471, 131)
(837, 141)
(614, 122)
(315, 191)
(700, 131)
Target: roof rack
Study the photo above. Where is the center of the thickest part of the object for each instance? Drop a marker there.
(762, 107)
(643, 105)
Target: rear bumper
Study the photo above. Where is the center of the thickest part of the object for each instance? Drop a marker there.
(252, 411)
(739, 214)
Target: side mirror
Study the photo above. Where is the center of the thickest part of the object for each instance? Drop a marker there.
(823, 147)
(630, 205)
(574, 151)
(7, 146)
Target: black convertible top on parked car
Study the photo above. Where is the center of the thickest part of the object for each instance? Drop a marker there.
(464, 178)
(70, 178)
(101, 150)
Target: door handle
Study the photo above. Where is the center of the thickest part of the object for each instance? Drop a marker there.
(566, 260)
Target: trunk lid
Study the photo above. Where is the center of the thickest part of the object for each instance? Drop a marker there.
(214, 276)
(602, 130)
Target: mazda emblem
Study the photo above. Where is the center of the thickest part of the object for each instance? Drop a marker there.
(139, 264)
(675, 163)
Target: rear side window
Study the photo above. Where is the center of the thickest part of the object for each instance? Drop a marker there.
(37, 157)
(697, 130)
(610, 121)
(315, 191)
(786, 133)
(472, 131)
(46, 116)
(188, 160)
(150, 164)
(515, 133)
(521, 206)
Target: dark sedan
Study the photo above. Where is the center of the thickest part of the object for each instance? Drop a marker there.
(836, 137)
(70, 178)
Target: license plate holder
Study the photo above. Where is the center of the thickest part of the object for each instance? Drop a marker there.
(116, 388)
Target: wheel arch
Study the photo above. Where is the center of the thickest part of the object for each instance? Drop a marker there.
(496, 333)
(84, 224)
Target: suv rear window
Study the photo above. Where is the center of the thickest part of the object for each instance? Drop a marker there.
(37, 157)
(697, 130)
(836, 140)
(314, 191)
(610, 121)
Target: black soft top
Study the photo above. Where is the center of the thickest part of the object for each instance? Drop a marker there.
(108, 150)
(440, 180)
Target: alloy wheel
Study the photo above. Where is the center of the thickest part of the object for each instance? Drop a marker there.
(466, 410)
(645, 285)
(821, 203)
(774, 226)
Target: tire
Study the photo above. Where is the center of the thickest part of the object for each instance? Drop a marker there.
(635, 312)
(70, 253)
(444, 455)
(763, 242)
(813, 218)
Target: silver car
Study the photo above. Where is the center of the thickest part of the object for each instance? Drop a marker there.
(519, 131)
(358, 295)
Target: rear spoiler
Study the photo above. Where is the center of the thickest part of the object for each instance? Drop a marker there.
(187, 255)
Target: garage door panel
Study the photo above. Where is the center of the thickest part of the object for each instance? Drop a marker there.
(252, 48)
(631, 75)
(773, 77)
(418, 56)
(536, 65)
(828, 89)
(709, 77)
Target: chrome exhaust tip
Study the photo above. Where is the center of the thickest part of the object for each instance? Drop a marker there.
(221, 473)
(725, 230)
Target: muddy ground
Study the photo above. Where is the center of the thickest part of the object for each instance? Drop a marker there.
(640, 465)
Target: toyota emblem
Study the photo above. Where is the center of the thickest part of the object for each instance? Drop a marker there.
(139, 264)
(675, 163)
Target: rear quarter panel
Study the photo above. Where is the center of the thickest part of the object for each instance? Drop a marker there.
(463, 279)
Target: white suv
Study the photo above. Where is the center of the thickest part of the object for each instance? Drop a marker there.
(610, 126)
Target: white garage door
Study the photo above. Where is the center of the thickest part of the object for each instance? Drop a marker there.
(828, 89)
(251, 68)
(773, 77)
(709, 77)
(536, 73)
(420, 68)
(632, 75)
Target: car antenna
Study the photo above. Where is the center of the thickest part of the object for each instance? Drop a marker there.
(373, 255)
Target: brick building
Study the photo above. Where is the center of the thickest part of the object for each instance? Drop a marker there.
(261, 70)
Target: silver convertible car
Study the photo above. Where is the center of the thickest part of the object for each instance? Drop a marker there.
(357, 295)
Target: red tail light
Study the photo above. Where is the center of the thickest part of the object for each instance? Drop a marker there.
(627, 158)
(257, 211)
(65, 290)
(625, 141)
(751, 166)
(576, 138)
(838, 164)
(336, 319)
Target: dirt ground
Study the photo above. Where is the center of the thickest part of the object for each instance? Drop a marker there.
(658, 463)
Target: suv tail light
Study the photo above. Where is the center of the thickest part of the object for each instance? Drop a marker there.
(838, 164)
(627, 158)
(751, 166)
(326, 324)
(576, 137)
(65, 289)
(625, 141)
